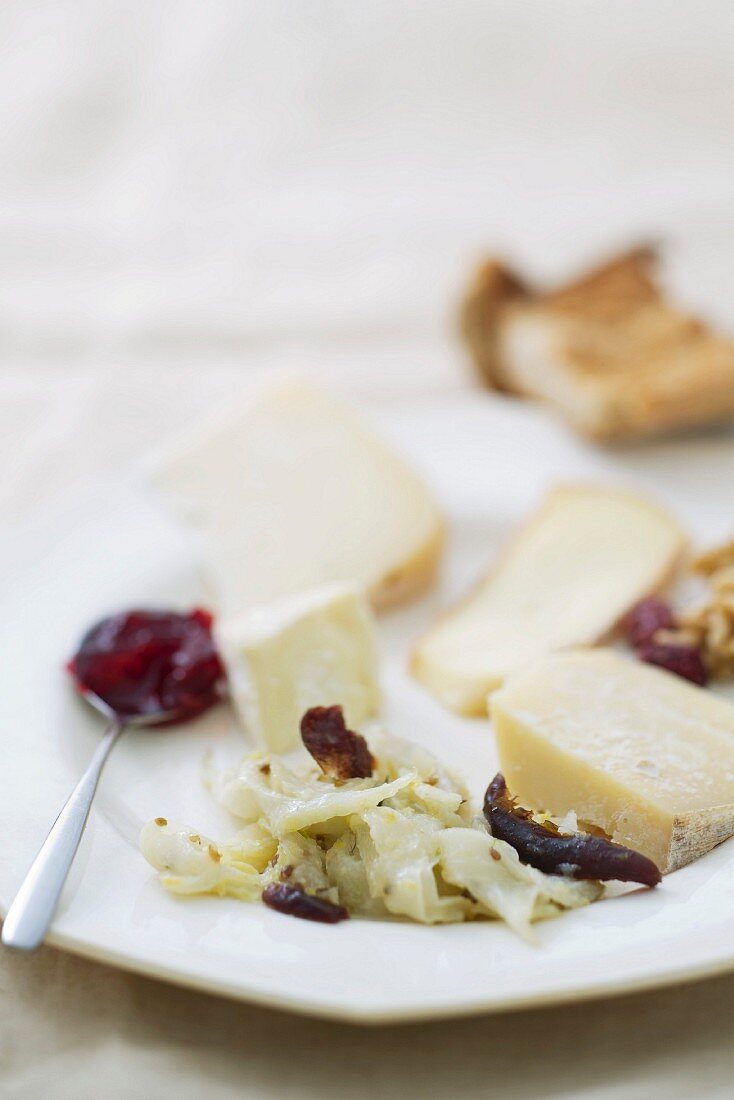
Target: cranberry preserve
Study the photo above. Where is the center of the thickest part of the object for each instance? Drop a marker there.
(145, 662)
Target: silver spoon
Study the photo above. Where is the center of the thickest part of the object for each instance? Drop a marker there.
(33, 907)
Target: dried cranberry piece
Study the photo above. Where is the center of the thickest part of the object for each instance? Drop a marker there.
(647, 617)
(580, 855)
(338, 751)
(144, 662)
(683, 660)
(297, 903)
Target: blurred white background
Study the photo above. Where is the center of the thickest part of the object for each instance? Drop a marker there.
(183, 180)
(194, 194)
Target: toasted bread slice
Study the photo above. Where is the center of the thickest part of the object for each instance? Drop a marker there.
(607, 351)
(566, 579)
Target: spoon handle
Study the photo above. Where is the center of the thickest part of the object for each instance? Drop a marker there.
(32, 910)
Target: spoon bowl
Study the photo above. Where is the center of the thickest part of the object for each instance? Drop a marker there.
(133, 721)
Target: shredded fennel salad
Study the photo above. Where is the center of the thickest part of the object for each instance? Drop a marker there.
(402, 843)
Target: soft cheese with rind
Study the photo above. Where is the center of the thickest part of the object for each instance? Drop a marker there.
(570, 574)
(634, 750)
(293, 489)
(317, 648)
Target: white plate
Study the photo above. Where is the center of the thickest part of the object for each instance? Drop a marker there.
(489, 462)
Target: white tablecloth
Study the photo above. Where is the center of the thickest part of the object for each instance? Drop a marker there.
(73, 1029)
(192, 195)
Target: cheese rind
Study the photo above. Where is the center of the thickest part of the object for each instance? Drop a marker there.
(317, 648)
(587, 556)
(293, 489)
(639, 752)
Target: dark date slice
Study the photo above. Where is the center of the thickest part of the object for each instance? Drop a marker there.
(338, 751)
(646, 618)
(297, 903)
(580, 856)
(682, 660)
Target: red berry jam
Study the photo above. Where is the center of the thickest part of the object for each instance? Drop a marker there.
(146, 662)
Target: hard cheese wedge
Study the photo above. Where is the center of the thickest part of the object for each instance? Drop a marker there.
(317, 648)
(293, 490)
(587, 556)
(637, 751)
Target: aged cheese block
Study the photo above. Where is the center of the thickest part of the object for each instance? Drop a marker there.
(293, 489)
(585, 558)
(637, 751)
(317, 648)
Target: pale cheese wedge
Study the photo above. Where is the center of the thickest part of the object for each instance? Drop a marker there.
(293, 489)
(638, 752)
(317, 648)
(588, 555)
